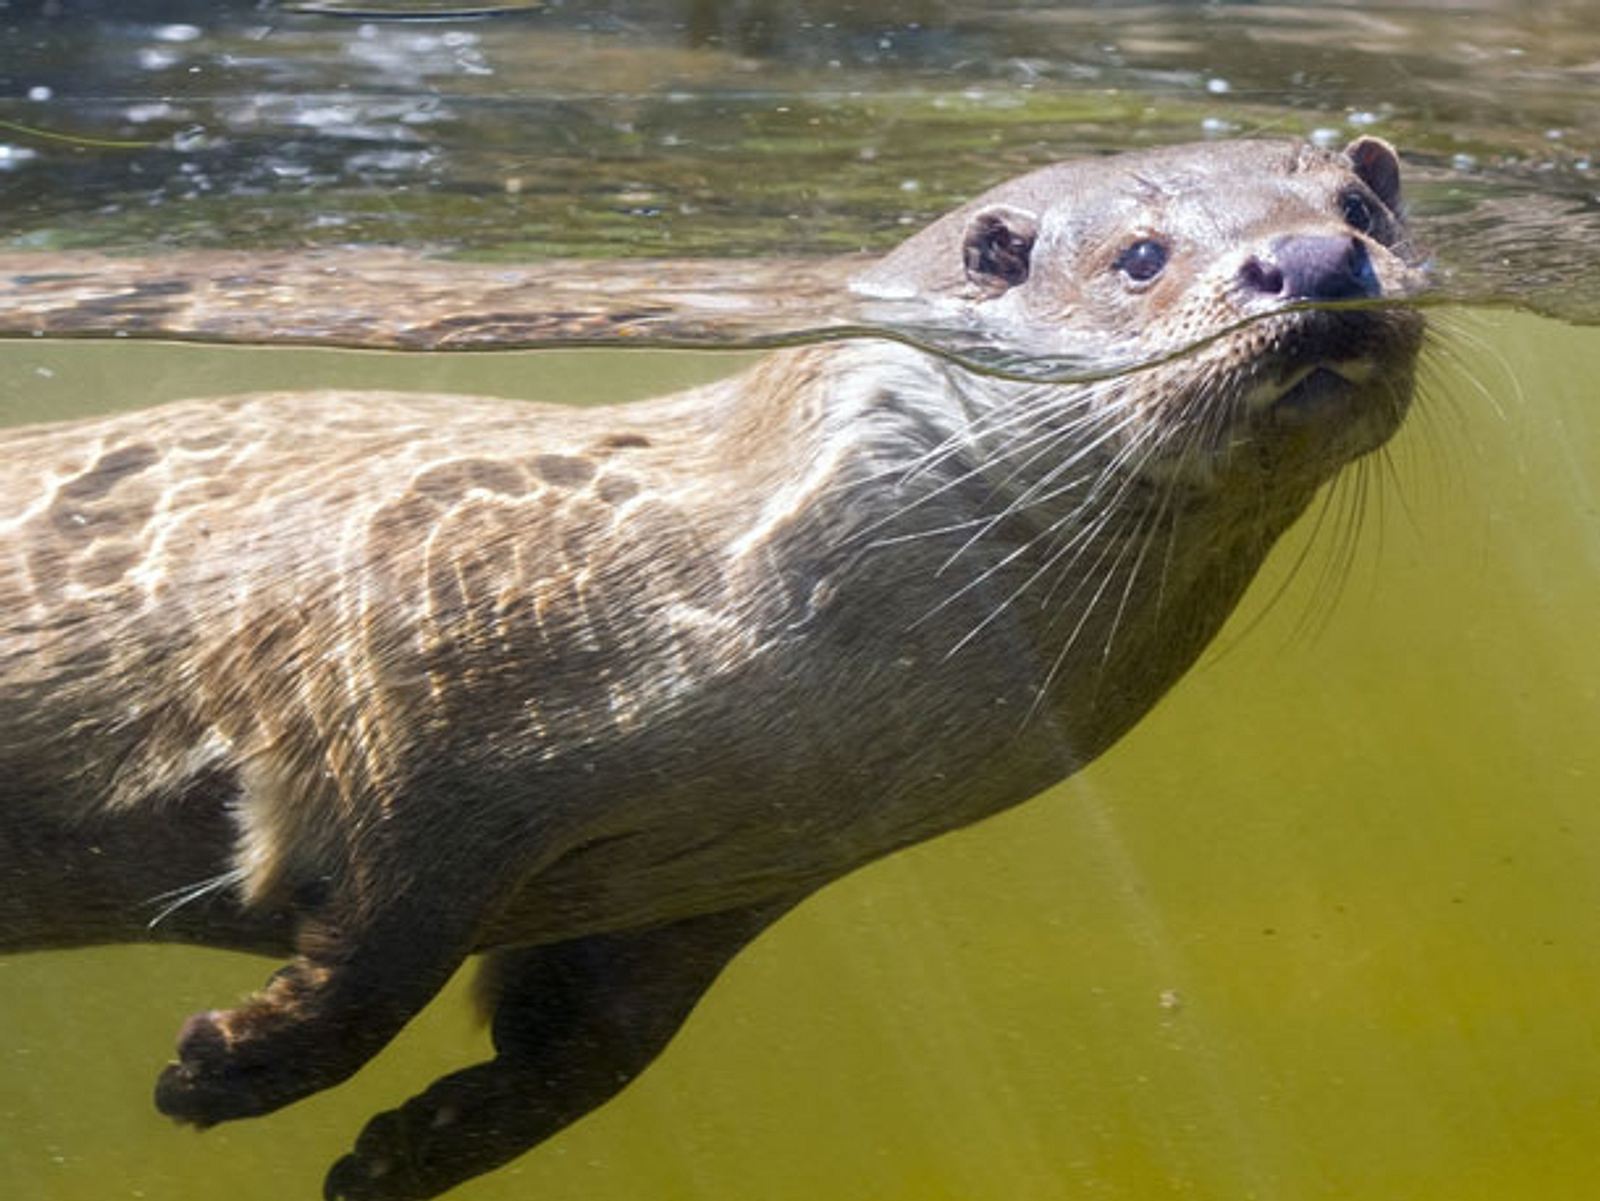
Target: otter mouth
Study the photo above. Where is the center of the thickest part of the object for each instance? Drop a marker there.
(1327, 366)
(1316, 392)
(1321, 390)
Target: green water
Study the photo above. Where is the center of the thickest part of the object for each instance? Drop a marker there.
(1326, 925)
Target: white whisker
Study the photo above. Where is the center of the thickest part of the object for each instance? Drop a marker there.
(177, 898)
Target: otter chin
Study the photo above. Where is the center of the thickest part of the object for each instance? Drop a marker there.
(373, 682)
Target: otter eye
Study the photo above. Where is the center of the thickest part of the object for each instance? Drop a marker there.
(1142, 261)
(1357, 212)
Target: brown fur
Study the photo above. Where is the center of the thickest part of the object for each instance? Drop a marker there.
(606, 690)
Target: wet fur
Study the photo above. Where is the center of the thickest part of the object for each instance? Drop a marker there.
(376, 681)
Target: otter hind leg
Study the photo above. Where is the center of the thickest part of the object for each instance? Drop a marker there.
(574, 1023)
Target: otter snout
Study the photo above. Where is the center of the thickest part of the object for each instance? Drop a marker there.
(1313, 267)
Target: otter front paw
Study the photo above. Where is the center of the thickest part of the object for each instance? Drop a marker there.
(226, 1069)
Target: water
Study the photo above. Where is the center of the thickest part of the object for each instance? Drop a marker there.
(1323, 926)
(739, 129)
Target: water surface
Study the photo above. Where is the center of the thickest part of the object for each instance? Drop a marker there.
(714, 129)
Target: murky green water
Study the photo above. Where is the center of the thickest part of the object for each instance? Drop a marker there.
(1326, 925)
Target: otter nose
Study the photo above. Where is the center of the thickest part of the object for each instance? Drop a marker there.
(1313, 267)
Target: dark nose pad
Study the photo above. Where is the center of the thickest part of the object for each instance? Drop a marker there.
(1313, 267)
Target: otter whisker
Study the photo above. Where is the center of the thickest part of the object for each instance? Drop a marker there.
(1082, 537)
(1326, 507)
(177, 898)
(982, 467)
(1042, 445)
(1459, 329)
(989, 423)
(1142, 536)
(1396, 487)
(1083, 533)
(1437, 428)
(1350, 489)
(1088, 610)
(1040, 491)
(1032, 416)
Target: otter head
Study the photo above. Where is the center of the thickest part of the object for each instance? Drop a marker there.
(1242, 286)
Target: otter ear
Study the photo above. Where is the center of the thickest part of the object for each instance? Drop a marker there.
(998, 247)
(1378, 166)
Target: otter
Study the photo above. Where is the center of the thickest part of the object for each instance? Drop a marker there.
(374, 682)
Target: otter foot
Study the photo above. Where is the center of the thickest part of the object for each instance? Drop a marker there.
(229, 1067)
(465, 1124)
(573, 1024)
(319, 1018)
